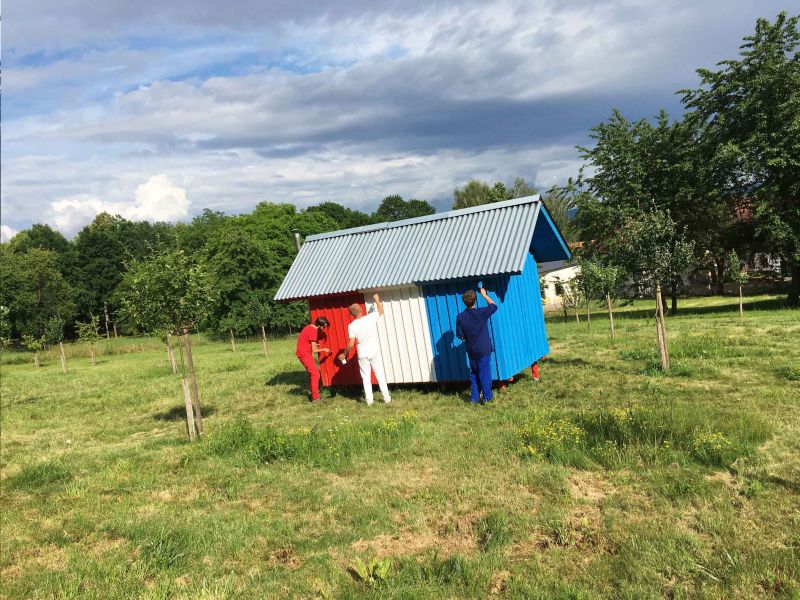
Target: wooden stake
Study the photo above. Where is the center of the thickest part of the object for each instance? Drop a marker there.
(741, 304)
(610, 315)
(63, 357)
(187, 400)
(233, 341)
(198, 417)
(115, 328)
(105, 308)
(36, 359)
(662, 331)
(588, 315)
(264, 339)
(171, 356)
(577, 318)
(94, 360)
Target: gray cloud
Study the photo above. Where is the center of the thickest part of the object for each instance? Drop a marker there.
(299, 102)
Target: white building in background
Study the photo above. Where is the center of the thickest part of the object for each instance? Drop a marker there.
(549, 273)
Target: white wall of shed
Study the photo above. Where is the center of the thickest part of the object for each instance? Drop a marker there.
(404, 335)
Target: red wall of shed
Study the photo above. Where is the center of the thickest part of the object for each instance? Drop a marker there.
(335, 309)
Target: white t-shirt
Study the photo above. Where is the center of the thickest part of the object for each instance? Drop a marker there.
(365, 330)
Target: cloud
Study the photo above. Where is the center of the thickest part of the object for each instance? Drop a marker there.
(303, 103)
(6, 233)
(158, 199)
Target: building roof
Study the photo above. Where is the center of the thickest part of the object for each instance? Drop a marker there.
(473, 242)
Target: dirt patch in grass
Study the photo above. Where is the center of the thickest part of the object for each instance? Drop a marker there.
(36, 558)
(588, 486)
(497, 584)
(452, 534)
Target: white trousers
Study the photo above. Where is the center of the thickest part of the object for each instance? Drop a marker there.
(374, 363)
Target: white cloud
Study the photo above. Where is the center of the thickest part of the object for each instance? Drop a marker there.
(158, 199)
(6, 233)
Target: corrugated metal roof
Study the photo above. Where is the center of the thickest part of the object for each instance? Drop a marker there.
(473, 242)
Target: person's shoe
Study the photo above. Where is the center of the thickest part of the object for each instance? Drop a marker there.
(313, 399)
(387, 400)
(475, 401)
(370, 403)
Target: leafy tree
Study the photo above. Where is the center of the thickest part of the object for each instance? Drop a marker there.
(170, 292)
(246, 273)
(35, 345)
(345, 217)
(88, 333)
(641, 167)
(652, 251)
(394, 208)
(54, 330)
(192, 237)
(739, 276)
(750, 110)
(33, 290)
(598, 279)
(561, 204)
(476, 192)
(103, 247)
(5, 327)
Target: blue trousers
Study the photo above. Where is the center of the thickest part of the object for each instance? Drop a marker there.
(480, 377)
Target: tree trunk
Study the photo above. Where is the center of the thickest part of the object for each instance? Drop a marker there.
(662, 332)
(741, 303)
(233, 341)
(794, 286)
(198, 417)
(171, 356)
(720, 279)
(674, 299)
(63, 357)
(115, 328)
(94, 359)
(566, 316)
(610, 315)
(577, 318)
(187, 400)
(105, 309)
(36, 359)
(264, 340)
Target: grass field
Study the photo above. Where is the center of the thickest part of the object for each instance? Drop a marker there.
(607, 479)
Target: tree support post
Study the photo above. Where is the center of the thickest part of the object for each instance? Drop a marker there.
(63, 357)
(264, 340)
(662, 331)
(198, 417)
(610, 314)
(233, 340)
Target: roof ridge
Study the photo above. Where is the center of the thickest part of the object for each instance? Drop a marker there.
(425, 219)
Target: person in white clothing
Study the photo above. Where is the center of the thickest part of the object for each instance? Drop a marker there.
(364, 329)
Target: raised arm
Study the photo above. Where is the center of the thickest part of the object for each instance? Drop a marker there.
(378, 304)
(486, 296)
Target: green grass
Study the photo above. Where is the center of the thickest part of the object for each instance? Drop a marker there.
(607, 479)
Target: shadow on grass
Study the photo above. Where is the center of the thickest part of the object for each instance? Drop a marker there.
(732, 307)
(178, 413)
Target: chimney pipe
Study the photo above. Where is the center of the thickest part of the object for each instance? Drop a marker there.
(297, 241)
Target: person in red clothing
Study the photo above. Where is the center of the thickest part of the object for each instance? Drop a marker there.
(307, 347)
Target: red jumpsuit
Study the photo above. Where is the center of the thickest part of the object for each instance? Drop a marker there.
(309, 334)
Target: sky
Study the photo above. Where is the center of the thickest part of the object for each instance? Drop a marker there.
(156, 110)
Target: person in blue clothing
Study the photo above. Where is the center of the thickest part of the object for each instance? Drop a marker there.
(472, 327)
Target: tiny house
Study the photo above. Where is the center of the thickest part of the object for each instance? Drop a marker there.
(421, 267)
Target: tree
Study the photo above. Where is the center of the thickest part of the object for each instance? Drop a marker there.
(345, 217)
(170, 292)
(599, 279)
(33, 290)
(652, 251)
(394, 208)
(561, 205)
(738, 276)
(88, 333)
(35, 345)
(750, 110)
(639, 167)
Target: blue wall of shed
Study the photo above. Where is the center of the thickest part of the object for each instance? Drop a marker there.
(517, 328)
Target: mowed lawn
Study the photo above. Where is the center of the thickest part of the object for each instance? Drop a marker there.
(606, 479)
